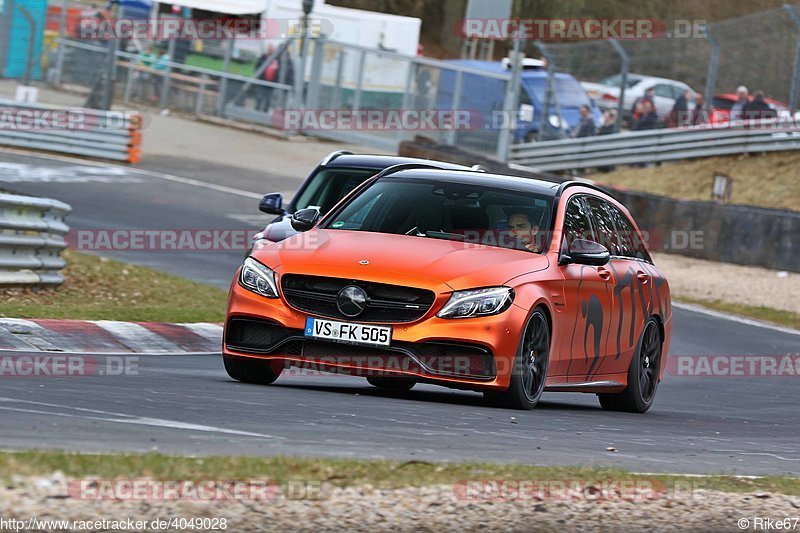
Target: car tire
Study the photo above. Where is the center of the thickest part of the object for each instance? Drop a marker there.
(643, 374)
(529, 373)
(256, 371)
(399, 384)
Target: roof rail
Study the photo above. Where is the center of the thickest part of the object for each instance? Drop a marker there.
(408, 166)
(334, 155)
(576, 183)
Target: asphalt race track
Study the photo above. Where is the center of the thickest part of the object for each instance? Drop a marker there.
(187, 404)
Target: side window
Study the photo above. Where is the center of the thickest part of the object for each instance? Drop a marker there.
(664, 90)
(603, 222)
(632, 245)
(576, 221)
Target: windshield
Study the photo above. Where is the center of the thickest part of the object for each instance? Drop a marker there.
(616, 81)
(445, 210)
(329, 186)
(568, 92)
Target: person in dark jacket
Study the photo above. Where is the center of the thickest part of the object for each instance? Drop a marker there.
(699, 114)
(648, 119)
(679, 114)
(609, 122)
(758, 109)
(586, 125)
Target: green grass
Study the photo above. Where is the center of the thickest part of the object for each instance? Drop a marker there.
(97, 288)
(214, 63)
(767, 314)
(345, 472)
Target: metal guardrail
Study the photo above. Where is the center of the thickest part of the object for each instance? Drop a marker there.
(653, 146)
(113, 135)
(32, 234)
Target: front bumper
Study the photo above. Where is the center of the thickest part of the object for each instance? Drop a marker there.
(465, 353)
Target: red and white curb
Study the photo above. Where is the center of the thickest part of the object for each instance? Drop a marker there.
(108, 336)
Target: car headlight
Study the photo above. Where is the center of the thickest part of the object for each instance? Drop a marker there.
(477, 302)
(555, 121)
(258, 278)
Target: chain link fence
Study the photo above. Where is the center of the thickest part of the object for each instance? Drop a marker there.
(756, 50)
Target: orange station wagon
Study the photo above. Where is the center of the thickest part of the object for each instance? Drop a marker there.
(505, 285)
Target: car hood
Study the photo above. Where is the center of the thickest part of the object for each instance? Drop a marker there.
(436, 264)
(279, 229)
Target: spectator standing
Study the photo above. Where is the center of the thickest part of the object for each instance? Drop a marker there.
(270, 73)
(638, 104)
(758, 109)
(586, 125)
(679, 114)
(742, 97)
(648, 119)
(609, 122)
(699, 114)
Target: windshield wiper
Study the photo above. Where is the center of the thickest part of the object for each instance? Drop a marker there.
(445, 235)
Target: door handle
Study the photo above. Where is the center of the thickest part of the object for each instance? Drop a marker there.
(604, 273)
(644, 278)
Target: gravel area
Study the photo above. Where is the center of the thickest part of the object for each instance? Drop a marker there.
(435, 508)
(709, 280)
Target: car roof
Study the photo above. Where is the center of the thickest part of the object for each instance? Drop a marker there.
(380, 162)
(501, 181)
(670, 81)
(496, 67)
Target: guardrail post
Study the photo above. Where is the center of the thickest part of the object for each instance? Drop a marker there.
(713, 63)
(511, 102)
(796, 68)
(623, 72)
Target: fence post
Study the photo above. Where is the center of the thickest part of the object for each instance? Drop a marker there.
(62, 30)
(511, 102)
(623, 72)
(167, 76)
(549, 93)
(312, 95)
(458, 89)
(713, 63)
(26, 80)
(223, 81)
(359, 81)
(796, 68)
(406, 105)
(337, 97)
(198, 103)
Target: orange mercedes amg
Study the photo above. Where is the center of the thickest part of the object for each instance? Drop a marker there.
(504, 285)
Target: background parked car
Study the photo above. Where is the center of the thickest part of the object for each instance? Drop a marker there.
(721, 108)
(486, 95)
(606, 93)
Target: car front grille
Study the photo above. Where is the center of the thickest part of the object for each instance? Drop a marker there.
(263, 337)
(385, 303)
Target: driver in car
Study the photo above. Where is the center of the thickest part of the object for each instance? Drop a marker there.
(524, 226)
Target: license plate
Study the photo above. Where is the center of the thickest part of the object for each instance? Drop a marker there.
(348, 332)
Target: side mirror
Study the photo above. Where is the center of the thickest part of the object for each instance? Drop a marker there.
(585, 252)
(305, 219)
(272, 204)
